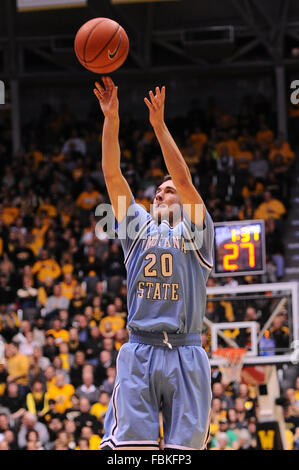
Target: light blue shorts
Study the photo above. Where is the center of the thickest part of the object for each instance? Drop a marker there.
(151, 377)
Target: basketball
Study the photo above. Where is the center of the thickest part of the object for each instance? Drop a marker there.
(101, 45)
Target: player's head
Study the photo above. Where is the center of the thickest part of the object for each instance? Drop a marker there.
(166, 204)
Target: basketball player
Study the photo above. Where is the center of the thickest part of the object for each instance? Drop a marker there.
(168, 261)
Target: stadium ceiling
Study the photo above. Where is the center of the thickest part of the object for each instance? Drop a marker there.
(178, 36)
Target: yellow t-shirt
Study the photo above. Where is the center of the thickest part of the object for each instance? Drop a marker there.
(88, 200)
(46, 268)
(117, 323)
(19, 365)
(98, 410)
(67, 290)
(50, 210)
(266, 210)
(62, 396)
(63, 334)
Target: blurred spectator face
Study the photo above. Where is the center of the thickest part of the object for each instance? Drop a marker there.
(49, 373)
(83, 444)
(68, 278)
(57, 290)
(4, 445)
(83, 322)
(105, 357)
(111, 372)
(267, 196)
(118, 303)
(37, 388)
(80, 357)
(84, 405)
(251, 314)
(63, 348)
(239, 405)
(57, 362)
(29, 336)
(94, 332)
(74, 334)
(121, 335)
(32, 436)
(252, 427)
(222, 440)
(86, 432)
(99, 288)
(232, 415)
(4, 424)
(96, 302)
(60, 380)
(57, 325)
(77, 292)
(25, 326)
(108, 344)
(87, 378)
(55, 425)
(88, 312)
(111, 310)
(9, 436)
(243, 390)
(69, 426)
(50, 340)
(36, 353)
(60, 445)
(217, 389)
(12, 390)
(277, 322)
(62, 436)
(29, 420)
(104, 398)
(44, 255)
(63, 315)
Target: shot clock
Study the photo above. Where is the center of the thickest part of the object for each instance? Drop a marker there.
(239, 248)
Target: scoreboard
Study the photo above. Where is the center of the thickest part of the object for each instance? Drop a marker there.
(239, 248)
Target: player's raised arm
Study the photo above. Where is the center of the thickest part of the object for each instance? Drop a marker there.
(175, 163)
(115, 181)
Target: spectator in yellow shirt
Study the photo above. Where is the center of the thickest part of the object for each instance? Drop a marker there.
(17, 366)
(270, 208)
(243, 156)
(264, 135)
(112, 318)
(46, 267)
(88, 199)
(47, 208)
(59, 334)
(61, 393)
(68, 286)
(283, 147)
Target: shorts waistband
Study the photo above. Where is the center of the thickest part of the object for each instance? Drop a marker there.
(162, 338)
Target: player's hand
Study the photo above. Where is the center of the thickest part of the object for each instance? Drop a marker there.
(156, 106)
(107, 97)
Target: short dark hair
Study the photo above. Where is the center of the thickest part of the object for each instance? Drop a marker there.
(166, 178)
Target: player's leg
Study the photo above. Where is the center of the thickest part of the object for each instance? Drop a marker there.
(132, 418)
(186, 398)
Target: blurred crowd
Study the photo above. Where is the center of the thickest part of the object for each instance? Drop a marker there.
(63, 287)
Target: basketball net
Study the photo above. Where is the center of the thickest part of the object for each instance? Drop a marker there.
(231, 364)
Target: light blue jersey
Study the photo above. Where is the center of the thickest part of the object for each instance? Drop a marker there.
(163, 366)
(166, 273)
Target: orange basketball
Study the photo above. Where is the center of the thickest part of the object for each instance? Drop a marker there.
(101, 45)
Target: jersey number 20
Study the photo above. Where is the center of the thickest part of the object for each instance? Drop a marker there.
(165, 261)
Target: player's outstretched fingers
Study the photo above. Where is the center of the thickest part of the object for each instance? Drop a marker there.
(108, 83)
(99, 88)
(98, 94)
(153, 100)
(148, 104)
